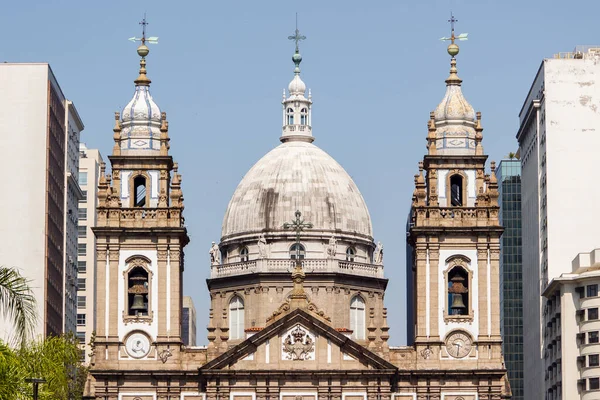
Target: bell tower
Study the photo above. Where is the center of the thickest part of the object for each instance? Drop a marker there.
(453, 237)
(140, 236)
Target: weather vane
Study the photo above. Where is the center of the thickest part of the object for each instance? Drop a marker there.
(452, 38)
(144, 39)
(297, 36)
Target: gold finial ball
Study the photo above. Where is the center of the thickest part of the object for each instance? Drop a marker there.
(143, 50)
(453, 49)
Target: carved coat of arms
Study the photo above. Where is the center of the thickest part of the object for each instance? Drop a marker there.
(298, 345)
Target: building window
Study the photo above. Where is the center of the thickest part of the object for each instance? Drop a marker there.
(456, 190)
(593, 383)
(80, 283)
(592, 290)
(81, 266)
(139, 191)
(244, 254)
(303, 117)
(84, 197)
(593, 337)
(82, 231)
(137, 291)
(82, 178)
(80, 319)
(81, 337)
(81, 249)
(236, 318)
(350, 253)
(592, 313)
(290, 116)
(297, 251)
(593, 360)
(82, 213)
(80, 301)
(458, 291)
(357, 317)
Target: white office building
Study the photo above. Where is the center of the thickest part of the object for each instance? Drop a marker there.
(571, 331)
(559, 135)
(36, 121)
(89, 173)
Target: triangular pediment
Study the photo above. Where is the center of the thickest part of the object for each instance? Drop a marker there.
(298, 337)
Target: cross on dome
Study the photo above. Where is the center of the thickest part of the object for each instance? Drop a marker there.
(141, 117)
(454, 117)
(296, 107)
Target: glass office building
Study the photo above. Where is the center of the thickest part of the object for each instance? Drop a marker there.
(511, 276)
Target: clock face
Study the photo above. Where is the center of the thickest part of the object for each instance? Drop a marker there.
(138, 345)
(458, 344)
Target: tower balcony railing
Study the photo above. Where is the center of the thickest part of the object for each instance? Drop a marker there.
(455, 216)
(325, 265)
(297, 128)
(139, 217)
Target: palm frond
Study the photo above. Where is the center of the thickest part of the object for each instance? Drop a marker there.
(18, 303)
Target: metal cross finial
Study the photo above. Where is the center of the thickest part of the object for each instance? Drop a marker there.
(452, 38)
(297, 36)
(297, 225)
(452, 21)
(144, 39)
(143, 23)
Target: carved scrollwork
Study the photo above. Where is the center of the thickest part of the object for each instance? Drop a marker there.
(299, 345)
(164, 355)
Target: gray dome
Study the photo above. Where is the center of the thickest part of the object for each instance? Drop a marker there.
(297, 175)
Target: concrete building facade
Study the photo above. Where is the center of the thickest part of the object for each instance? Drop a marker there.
(188, 322)
(33, 230)
(559, 207)
(571, 329)
(511, 276)
(73, 195)
(90, 161)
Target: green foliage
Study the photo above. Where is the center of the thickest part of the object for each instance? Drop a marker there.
(55, 359)
(17, 303)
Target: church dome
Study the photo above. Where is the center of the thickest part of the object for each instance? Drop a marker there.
(455, 118)
(141, 117)
(297, 175)
(454, 106)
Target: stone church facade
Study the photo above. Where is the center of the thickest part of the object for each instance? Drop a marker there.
(297, 284)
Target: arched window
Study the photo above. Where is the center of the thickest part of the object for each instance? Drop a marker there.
(456, 190)
(244, 254)
(139, 191)
(137, 291)
(236, 318)
(458, 291)
(303, 117)
(357, 317)
(290, 116)
(350, 253)
(297, 250)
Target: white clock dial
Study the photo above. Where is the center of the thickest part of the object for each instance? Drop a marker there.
(138, 345)
(458, 344)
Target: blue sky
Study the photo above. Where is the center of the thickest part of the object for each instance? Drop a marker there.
(376, 70)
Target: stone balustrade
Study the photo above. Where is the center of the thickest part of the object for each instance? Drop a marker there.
(138, 217)
(286, 265)
(455, 216)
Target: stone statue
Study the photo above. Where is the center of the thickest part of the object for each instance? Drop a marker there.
(215, 254)
(331, 247)
(378, 254)
(262, 246)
